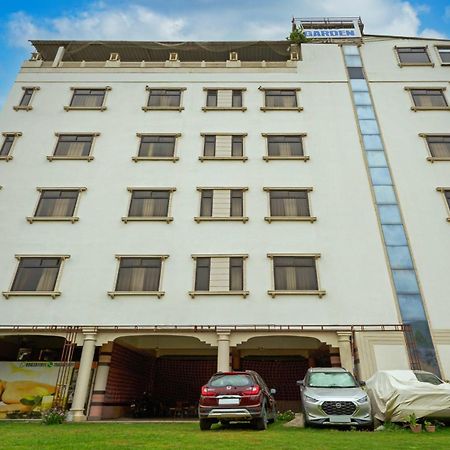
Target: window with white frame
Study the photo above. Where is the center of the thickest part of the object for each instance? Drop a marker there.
(221, 204)
(149, 204)
(74, 146)
(157, 147)
(289, 204)
(224, 99)
(88, 98)
(223, 147)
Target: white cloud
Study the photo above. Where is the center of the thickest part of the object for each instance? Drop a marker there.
(430, 33)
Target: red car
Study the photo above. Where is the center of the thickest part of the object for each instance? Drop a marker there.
(236, 396)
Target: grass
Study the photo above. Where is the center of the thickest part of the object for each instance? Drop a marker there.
(104, 436)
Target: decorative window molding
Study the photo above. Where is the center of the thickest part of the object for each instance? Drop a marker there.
(312, 257)
(9, 141)
(172, 94)
(128, 262)
(56, 218)
(224, 99)
(27, 98)
(306, 206)
(297, 150)
(432, 142)
(445, 191)
(46, 279)
(146, 194)
(223, 147)
(79, 147)
(222, 204)
(280, 99)
(413, 56)
(219, 274)
(157, 138)
(423, 97)
(88, 98)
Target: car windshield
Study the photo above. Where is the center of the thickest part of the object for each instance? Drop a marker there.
(238, 380)
(427, 377)
(331, 380)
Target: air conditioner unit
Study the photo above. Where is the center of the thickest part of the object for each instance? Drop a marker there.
(173, 56)
(294, 56)
(36, 56)
(114, 57)
(234, 56)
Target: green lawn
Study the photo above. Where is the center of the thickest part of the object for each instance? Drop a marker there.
(183, 436)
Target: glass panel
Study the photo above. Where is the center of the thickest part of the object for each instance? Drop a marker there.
(405, 281)
(355, 73)
(365, 112)
(389, 214)
(376, 159)
(350, 50)
(399, 257)
(359, 85)
(394, 235)
(372, 142)
(411, 307)
(384, 194)
(369, 127)
(353, 61)
(380, 176)
(362, 98)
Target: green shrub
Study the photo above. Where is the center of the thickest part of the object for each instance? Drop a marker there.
(54, 416)
(286, 416)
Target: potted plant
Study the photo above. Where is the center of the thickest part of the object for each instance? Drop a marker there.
(412, 420)
(429, 426)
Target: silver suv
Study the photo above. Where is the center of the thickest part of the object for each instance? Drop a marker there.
(332, 396)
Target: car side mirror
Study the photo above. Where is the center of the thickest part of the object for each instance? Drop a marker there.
(301, 382)
(273, 391)
(362, 383)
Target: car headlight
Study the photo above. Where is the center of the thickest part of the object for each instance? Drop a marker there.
(310, 399)
(364, 399)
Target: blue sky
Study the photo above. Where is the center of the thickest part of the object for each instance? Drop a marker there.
(196, 20)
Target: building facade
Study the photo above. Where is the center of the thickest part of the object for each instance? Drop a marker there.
(173, 209)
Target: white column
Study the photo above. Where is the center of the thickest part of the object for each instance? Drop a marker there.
(223, 351)
(84, 374)
(345, 350)
(58, 57)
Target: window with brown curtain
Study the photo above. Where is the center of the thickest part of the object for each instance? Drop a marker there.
(74, 145)
(160, 98)
(428, 98)
(157, 146)
(237, 145)
(26, 98)
(209, 148)
(7, 144)
(284, 145)
(439, 146)
(206, 203)
(281, 98)
(203, 268)
(295, 273)
(413, 55)
(236, 274)
(289, 203)
(236, 203)
(88, 98)
(149, 203)
(138, 274)
(57, 203)
(36, 274)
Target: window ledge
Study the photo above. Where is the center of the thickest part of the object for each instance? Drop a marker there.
(416, 64)
(223, 158)
(158, 294)
(146, 219)
(320, 293)
(242, 293)
(84, 108)
(223, 108)
(430, 108)
(162, 108)
(155, 158)
(70, 158)
(22, 108)
(270, 108)
(290, 219)
(275, 158)
(53, 219)
(6, 158)
(432, 159)
(199, 219)
(52, 294)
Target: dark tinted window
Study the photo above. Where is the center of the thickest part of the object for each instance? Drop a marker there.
(281, 99)
(238, 380)
(88, 98)
(7, 144)
(157, 146)
(210, 146)
(149, 203)
(285, 145)
(295, 273)
(36, 274)
(237, 145)
(413, 55)
(72, 145)
(428, 98)
(57, 203)
(211, 98)
(26, 98)
(439, 146)
(203, 266)
(289, 203)
(139, 274)
(169, 98)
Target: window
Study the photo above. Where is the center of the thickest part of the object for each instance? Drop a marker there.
(284, 99)
(428, 99)
(56, 205)
(444, 54)
(88, 98)
(8, 142)
(223, 99)
(438, 146)
(158, 147)
(221, 204)
(139, 275)
(289, 146)
(223, 147)
(413, 56)
(37, 275)
(25, 101)
(74, 147)
(289, 204)
(446, 193)
(149, 204)
(219, 275)
(164, 99)
(295, 274)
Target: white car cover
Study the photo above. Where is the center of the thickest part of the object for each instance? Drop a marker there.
(395, 394)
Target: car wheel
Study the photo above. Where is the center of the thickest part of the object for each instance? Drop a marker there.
(205, 424)
(261, 422)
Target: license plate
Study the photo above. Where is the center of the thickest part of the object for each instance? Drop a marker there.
(228, 401)
(339, 419)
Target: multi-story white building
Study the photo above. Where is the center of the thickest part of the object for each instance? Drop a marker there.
(171, 209)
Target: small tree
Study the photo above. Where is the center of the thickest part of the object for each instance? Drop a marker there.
(297, 36)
